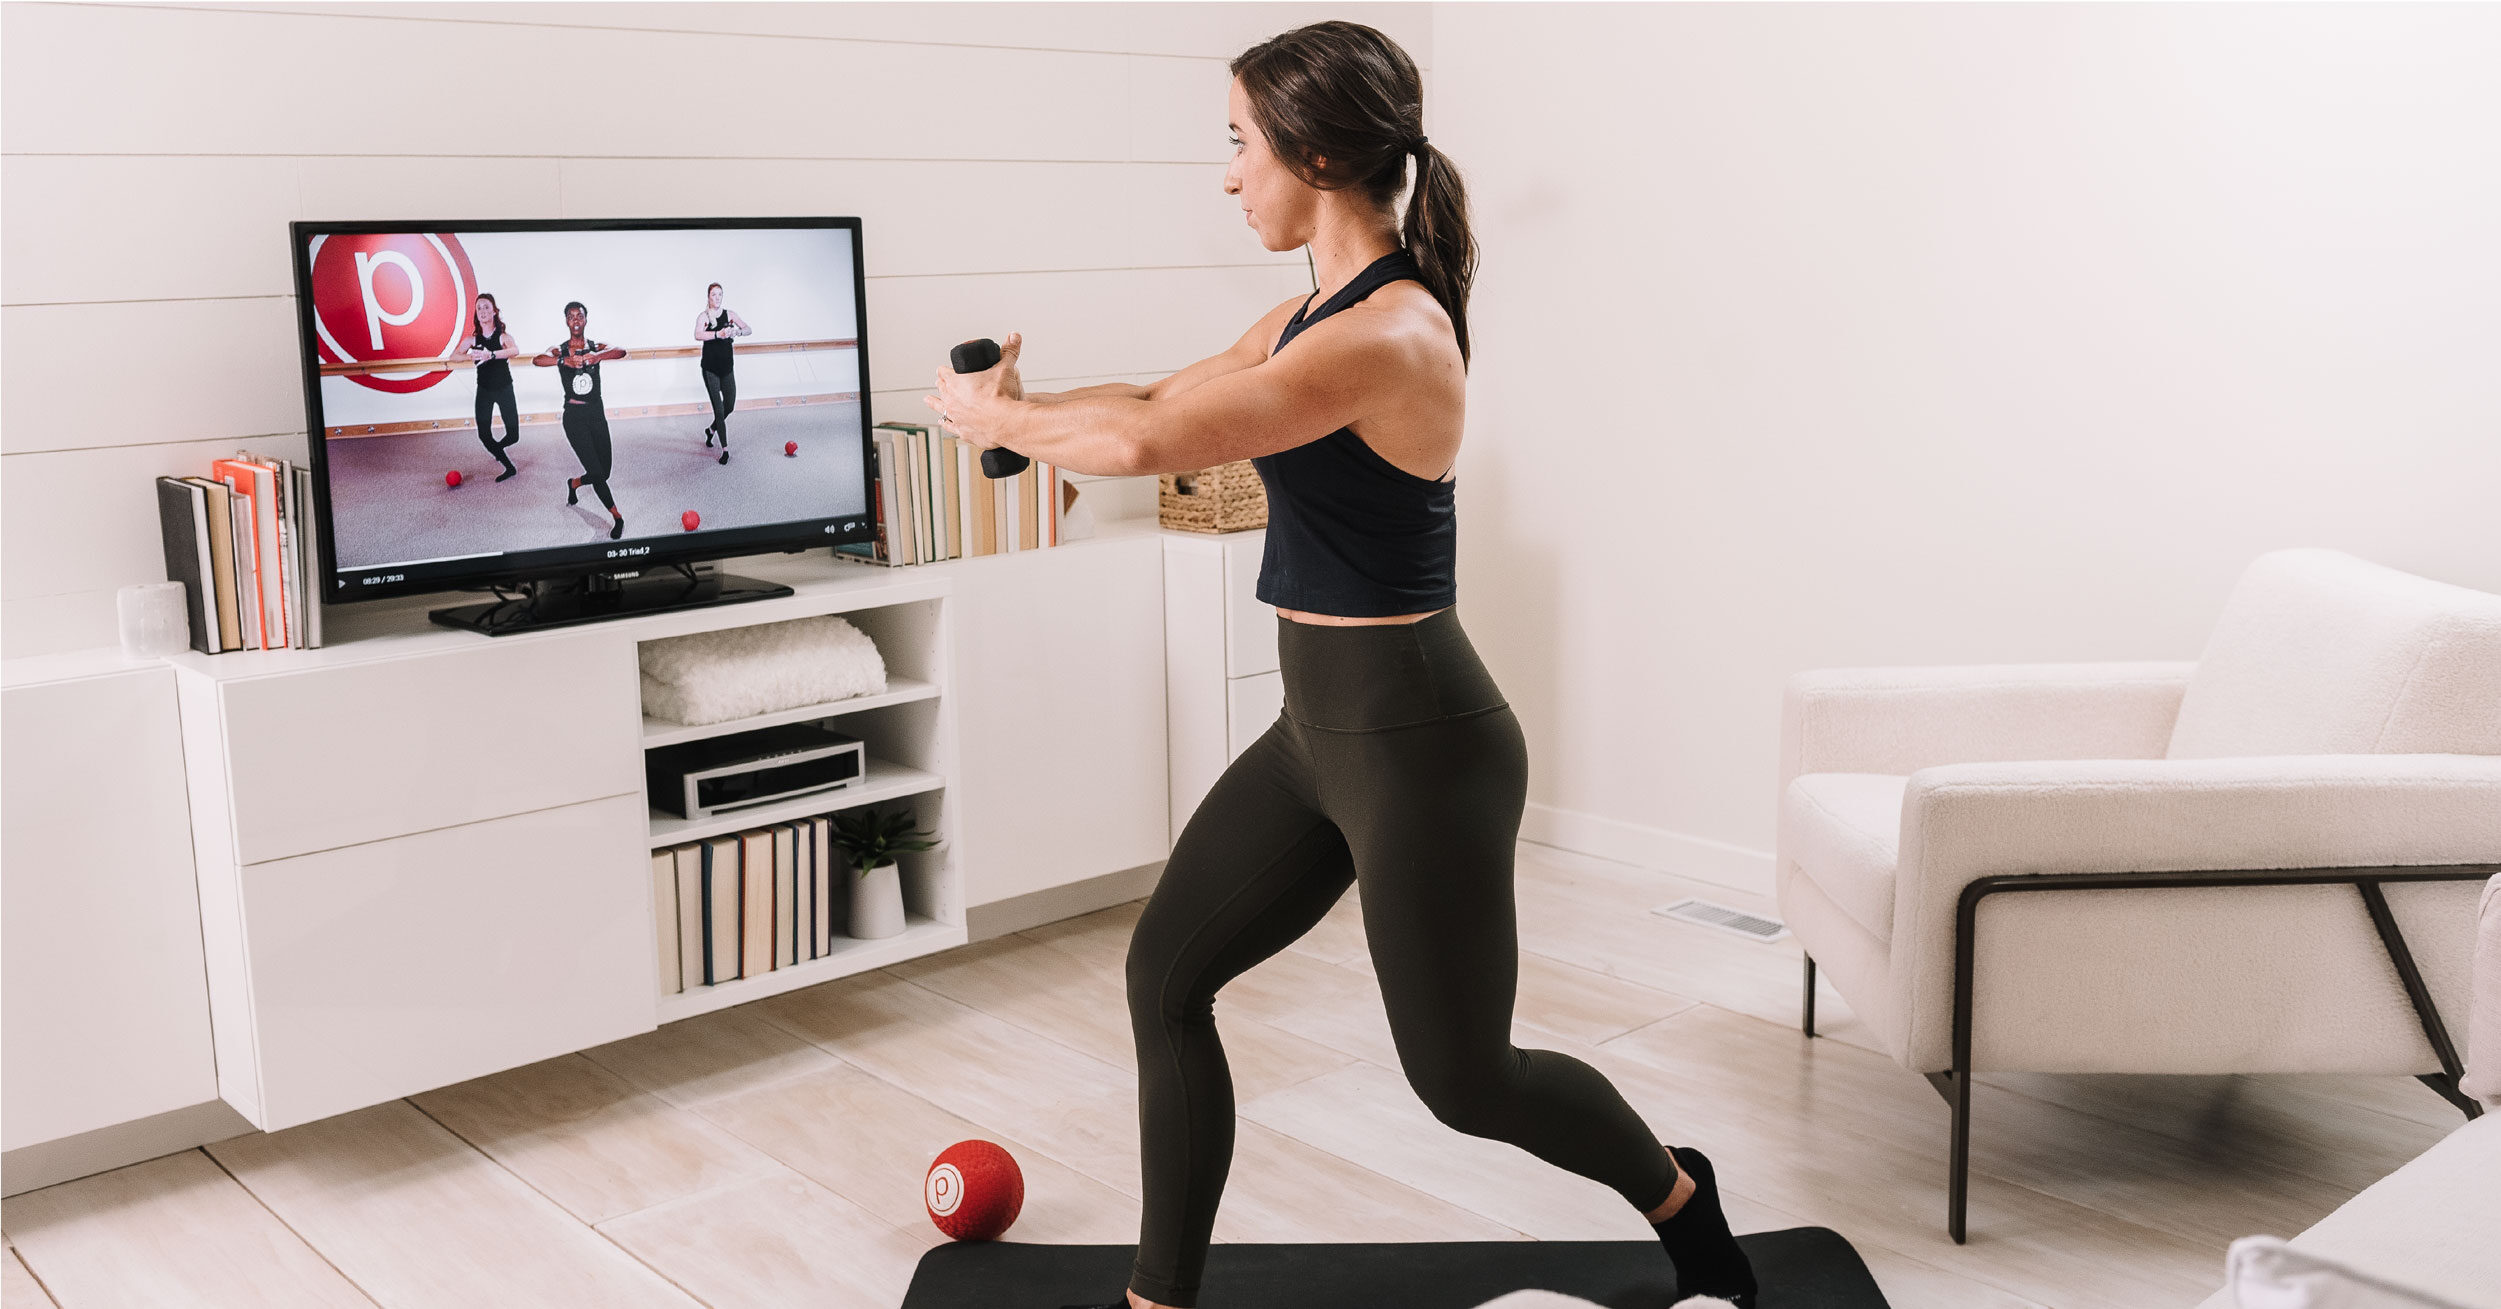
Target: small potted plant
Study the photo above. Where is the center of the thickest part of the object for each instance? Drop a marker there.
(869, 839)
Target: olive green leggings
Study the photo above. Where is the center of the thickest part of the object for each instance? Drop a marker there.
(1396, 767)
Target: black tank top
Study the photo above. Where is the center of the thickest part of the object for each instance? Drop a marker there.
(716, 350)
(1349, 532)
(494, 374)
(574, 392)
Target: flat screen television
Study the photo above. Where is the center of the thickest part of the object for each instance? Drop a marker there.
(590, 451)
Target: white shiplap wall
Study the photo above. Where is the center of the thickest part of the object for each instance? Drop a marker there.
(1050, 169)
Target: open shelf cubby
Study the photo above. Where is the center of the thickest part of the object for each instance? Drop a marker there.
(908, 729)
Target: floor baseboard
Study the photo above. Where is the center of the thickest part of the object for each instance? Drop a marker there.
(47, 1163)
(1051, 904)
(1700, 858)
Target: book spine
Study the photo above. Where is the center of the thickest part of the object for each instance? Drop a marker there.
(269, 506)
(290, 545)
(938, 493)
(942, 455)
(889, 523)
(221, 559)
(307, 533)
(785, 895)
(723, 931)
(255, 484)
(950, 494)
(827, 884)
(909, 550)
(1053, 517)
(985, 540)
(1001, 522)
(803, 918)
(182, 515)
(664, 917)
(755, 909)
(247, 581)
(690, 918)
(704, 860)
(918, 441)
(965, 472)
(1029, 505)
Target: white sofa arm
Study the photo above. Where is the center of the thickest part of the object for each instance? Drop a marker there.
(2483, 1041)
(1900, 720)
(1963, 822)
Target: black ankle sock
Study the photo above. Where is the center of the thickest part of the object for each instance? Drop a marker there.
(1707, 1258)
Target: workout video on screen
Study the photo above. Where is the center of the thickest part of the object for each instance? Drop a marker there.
(497, 393)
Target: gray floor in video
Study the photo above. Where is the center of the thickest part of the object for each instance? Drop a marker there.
(389, 503)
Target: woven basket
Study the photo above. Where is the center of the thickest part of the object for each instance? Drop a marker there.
(1225, 498)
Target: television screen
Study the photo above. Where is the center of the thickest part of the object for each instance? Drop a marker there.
(497, 401)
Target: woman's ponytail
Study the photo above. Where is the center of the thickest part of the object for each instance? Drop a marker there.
(1439, 236)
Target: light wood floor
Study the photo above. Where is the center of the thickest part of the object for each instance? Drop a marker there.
(772, 1155)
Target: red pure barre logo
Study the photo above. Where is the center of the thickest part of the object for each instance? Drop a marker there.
(390, 296)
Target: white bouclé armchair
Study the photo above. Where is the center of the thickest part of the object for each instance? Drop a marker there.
(2265, 861)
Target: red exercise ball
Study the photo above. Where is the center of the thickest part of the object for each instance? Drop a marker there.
(974, 1190)
(452, 478)
(691, 518)
(790, 447)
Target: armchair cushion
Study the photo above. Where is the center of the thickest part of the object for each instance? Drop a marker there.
(1843, 831)
(2317, 652)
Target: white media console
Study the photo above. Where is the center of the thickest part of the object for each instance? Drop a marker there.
(421, 855)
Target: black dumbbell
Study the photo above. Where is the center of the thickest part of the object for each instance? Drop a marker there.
(980, 356)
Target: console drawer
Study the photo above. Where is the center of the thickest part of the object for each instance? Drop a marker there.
(333, 756)
(398, 966)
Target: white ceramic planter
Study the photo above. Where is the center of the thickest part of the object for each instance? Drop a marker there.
(876, 902)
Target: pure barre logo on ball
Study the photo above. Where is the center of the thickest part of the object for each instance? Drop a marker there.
(391, 296)
(946, 1189)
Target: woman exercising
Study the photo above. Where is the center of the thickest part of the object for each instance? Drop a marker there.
(489, 349)
(1396, 767)
(577, 364)
(714, 327)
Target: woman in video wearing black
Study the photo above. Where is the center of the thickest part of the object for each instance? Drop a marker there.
(489, 348)
(577, 364)
(714, 327)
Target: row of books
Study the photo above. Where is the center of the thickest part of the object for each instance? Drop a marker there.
(744, 904)
(241, 542)
(933, 502)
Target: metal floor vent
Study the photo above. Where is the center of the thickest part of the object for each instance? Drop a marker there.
(1753, 927)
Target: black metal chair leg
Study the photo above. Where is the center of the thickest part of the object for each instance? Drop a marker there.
(1956, 1088)
(1806, 1019)
(1958, 1177)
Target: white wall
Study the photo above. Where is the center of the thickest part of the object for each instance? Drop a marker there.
(1051, 169)
(1867, 334)
(1807, 335)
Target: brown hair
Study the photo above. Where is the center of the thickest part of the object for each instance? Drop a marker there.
(499, 313)
(1345, 93)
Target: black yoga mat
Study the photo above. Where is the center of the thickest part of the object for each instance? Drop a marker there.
(1801, 1268)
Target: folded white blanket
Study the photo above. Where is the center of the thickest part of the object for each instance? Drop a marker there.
(739, 672)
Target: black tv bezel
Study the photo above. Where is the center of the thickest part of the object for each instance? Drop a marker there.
(516, 568)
